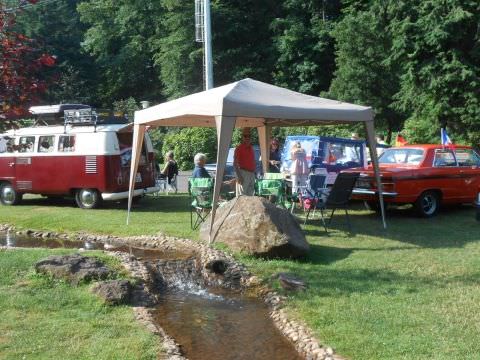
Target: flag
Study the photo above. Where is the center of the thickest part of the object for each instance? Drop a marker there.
(445, 139)
(400, 140)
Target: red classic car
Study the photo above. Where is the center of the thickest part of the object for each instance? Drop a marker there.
(423, 175)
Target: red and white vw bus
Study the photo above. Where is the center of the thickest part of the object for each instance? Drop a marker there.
(82, 158)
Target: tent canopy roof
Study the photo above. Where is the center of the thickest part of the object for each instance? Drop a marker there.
(254, 104)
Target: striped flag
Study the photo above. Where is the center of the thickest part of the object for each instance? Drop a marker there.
(445, 139)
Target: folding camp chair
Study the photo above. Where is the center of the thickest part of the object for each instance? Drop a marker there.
(273, 176)
(273, 189)
(338, 197)
(201, 198)
(312, 193)
(172, 186)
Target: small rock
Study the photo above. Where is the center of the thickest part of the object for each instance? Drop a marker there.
(290, 282)
(113, 292)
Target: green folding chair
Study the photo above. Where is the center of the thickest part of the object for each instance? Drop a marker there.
(273, 189)
(273, 176)
(201, 199)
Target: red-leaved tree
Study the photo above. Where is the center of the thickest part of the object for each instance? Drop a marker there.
(22, 66)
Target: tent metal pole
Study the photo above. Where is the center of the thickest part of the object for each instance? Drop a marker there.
(264, 140)
(372, 142)
(138, 134)
(225, 126)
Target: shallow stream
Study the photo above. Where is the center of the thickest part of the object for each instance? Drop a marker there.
(208, 324)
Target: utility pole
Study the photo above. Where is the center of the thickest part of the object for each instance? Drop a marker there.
(208, 46)
(203, 34)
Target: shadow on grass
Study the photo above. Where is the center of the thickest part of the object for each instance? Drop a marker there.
(164, 203)
(325, 255)
(453, 227)
(324, 281)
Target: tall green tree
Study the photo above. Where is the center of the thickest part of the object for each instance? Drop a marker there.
(366, 72)
(57, 27)
(242, 39)
(305, 47)
(242, 44)
(120, 36)
(175, 52)
(439, 50)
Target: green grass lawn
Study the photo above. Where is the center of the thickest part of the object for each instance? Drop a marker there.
(408, 292)
(42, 318)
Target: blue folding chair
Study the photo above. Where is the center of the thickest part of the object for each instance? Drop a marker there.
(312, 194)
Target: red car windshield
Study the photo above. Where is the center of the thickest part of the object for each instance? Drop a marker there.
(402, 156)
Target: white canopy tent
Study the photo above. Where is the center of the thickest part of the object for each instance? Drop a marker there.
(248, 103)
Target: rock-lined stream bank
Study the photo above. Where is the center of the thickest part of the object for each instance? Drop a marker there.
(206, 301)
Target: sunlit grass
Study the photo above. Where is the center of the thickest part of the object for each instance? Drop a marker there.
(42, 318)
(167, 213)
(408, 292)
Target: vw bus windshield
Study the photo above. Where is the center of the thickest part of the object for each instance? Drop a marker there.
(125, 140)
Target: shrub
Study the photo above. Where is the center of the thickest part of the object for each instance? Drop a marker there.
(189, 141)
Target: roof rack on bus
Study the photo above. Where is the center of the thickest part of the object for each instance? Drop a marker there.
(75, 115)
(80, 117)
(53, 114)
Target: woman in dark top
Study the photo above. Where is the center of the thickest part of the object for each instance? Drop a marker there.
(275, 156)
(170, 170)
(199, 171)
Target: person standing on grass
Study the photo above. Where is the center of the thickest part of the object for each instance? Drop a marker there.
(244, 164)
(274, 159)
(299, 168)
(170, 170)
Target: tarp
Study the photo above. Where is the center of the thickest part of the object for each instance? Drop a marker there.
(247, 103)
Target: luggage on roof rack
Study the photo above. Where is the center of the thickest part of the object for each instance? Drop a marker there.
(75, 114)
(53, 114)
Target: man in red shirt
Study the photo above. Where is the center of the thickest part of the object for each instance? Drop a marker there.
(244, 163)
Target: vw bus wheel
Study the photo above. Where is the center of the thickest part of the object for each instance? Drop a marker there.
(8, 195)
(88, 198)
(427, 204)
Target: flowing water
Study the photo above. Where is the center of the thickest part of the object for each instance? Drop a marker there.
(208, 324)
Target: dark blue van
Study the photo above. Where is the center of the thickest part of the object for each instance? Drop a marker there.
(323, 152)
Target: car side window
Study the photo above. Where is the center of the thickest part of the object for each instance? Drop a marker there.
(444, 158)
(467, 157)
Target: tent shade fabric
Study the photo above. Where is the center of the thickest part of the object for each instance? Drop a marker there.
(265, 104)
(248, 103)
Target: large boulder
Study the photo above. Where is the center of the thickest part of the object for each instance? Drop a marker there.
(255, 226)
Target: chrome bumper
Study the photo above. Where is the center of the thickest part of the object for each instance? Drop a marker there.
(124, 194)
(357, 191)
